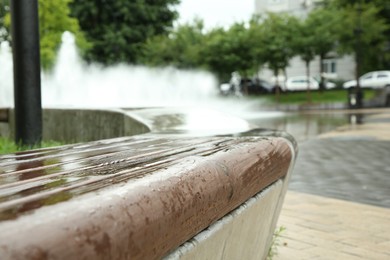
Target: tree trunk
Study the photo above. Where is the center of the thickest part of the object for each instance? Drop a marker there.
(322, 82)
(308, 81)
(277, 87)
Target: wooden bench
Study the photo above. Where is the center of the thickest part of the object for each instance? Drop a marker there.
(138, 197)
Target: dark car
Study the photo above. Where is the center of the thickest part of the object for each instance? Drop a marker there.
(247, 87)
(256, 86)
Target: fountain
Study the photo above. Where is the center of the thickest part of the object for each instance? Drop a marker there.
(73, 83)
(76, 84)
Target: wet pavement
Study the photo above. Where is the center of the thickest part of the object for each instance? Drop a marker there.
(349, 169)
(341, 160)
(303, 126)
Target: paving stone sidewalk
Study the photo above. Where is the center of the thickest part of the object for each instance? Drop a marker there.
(324, 228)
(338, 202)
(344, 168)
(351, 162)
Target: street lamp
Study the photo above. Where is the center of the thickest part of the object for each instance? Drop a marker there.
(27, 80)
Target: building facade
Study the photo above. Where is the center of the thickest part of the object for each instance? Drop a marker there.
(299, 8)
(334, 66)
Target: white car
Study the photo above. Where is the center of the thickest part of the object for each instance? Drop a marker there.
(225, 89)
(374, 79)
(301, 82)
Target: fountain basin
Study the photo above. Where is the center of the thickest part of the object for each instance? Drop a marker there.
(79, 125)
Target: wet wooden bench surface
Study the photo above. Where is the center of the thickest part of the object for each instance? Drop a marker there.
(129, 198)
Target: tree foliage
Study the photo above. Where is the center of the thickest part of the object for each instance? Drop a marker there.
(382, 5)
(4, 21)
(365, 26)
(141, 31)
(304, 44)
(54, 19)
(305, 41)
(180, 48)
(325, 26)
(118, 29)
(189, 46)
(319, 35)
(226, 51)
(364, 34)
(279, 31)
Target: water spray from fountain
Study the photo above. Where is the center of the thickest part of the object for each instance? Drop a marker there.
(76, 84)
(73, 83)
(6, 76)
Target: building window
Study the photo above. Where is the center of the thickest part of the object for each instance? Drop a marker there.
(329, 66)
(274, 1)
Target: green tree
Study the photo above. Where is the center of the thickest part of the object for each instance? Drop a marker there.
(157, 51)
(325, 26)
(257, 38)
(278, 32)
(219, 51)
(226, 51)
(181, 48)
(366, 26)
(304, 44)
(118, 29)
(54, 19)
(382, 5)
(4, 24)
(364, 35)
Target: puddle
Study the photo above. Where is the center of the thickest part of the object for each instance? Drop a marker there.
(303, 126)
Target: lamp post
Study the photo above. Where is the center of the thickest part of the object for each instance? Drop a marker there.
(27, 79)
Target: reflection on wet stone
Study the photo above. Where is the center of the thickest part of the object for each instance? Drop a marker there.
(356, 119)
(302, 126)
(166, 122)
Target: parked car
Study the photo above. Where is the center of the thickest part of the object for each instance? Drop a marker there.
(225, 89)
(251, 86)
(259, 86)
(301, 83)
(280, 80)
(374, 79)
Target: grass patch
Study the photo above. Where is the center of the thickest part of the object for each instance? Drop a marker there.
(273, 250)
(9, 146)
(328, 96)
